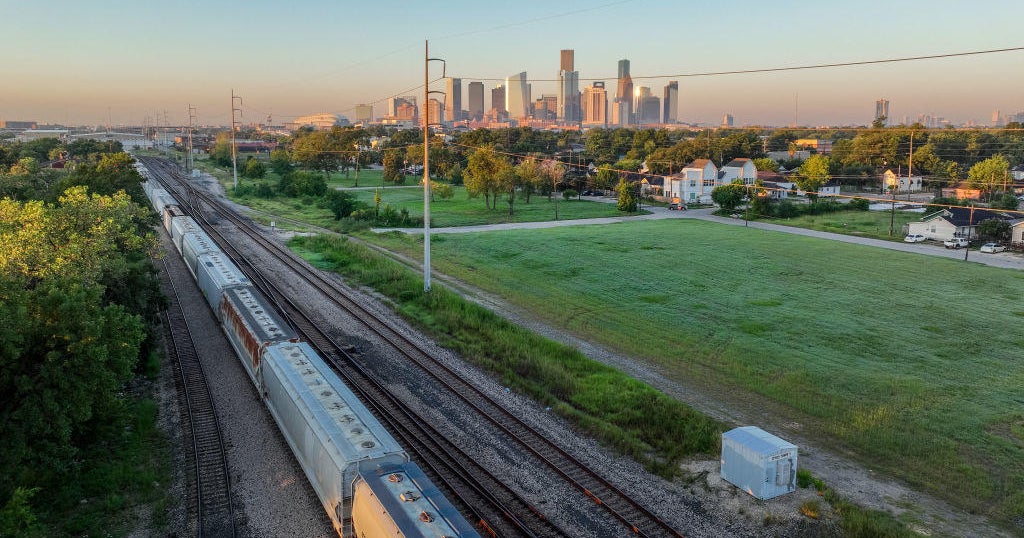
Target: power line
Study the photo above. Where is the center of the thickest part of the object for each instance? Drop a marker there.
(781, 69)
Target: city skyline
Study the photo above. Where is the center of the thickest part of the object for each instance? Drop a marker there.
(115, 63)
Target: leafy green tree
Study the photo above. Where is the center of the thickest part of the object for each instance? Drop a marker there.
(606, 177)
(341, 204)
(764, 163)
(25, 166)
(220, 153)
(393, 168)
(319, 150)
(730, 196)
(455, 174)
(302, 183)
(109, 174)
(994, 229)
(254, 168)
(554, 171)
(990, 174)
(627, 196)
(441, 190)
(1006, 201)
(280, 162)
(813, 174)
(482, 172)
(508, 181)
(532, 178)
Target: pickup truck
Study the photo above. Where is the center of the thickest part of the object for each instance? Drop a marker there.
(956, 242)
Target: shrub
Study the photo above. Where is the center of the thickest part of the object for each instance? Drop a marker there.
(786, 210)
(811, 509)
(859, 204)
(803, 478)
(569, 193)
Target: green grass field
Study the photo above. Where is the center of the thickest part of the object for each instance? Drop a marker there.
(913, 364)
(863, 223)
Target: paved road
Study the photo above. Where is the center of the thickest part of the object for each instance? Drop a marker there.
(1006, 260)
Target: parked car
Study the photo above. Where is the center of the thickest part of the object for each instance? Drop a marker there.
(992, 247)
(956, 242)
(676, 207)
(914, 238)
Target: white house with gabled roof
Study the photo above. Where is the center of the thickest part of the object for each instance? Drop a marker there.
(742, 169)
(694, 183)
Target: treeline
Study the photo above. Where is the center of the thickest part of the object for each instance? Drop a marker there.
(79, 300)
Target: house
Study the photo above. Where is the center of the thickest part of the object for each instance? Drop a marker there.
(694, 183)
(961, 191)
(900, 184)
(951, 222)
(1017, 172)
(829, 189)
(1017, 233)
(742, 169)
(777, 190)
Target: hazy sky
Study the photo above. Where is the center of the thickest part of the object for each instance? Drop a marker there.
(75, 61)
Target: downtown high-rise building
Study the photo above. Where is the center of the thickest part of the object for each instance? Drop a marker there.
(881, 109)
(453, 99)
(476, 100)
(568, 88)
(364, 113)
(498, 99)
(595, 105)
(622, 110)
(646, 106)
(670, 101)
(728, 122)
(436, 110)
(517, 96)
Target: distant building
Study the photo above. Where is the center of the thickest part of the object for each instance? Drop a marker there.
(622, 112)
(568, 89)
(670, 102)
(742, 169)
(364, 113)
(320, 122)
(18, 125)
(435, 110)
(476, 101)
(517, 96)
(646, 106)
(901, 184)
(728, 121)
(546, 107)
(453, 100)
(35, 134)
(498, 99)
(882, 110)
(823, 147)
(595, 105)
(407, 111)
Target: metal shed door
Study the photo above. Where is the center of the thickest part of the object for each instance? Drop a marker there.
(783, 472)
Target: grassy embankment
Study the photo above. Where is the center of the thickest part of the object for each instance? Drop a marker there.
(873, 224)
(627, 414)
(913, 364)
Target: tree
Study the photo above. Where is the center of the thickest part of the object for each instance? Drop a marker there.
(627, 196)
(481, 176)
(606, 177)
(508, 181)
(280, 162)
(994, 229)
(764, 163)
(730, 196)
(220, 153)
(989, 174)
(25, 166)
(320, 150)
(813, 174)
(554, 171)
(254, 168)
(341, 204)
(1006, 201)
(302, 183)
(532, 178)
(393, 170)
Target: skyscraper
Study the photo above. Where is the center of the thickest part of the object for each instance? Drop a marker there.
(728, 121)
(498, 98)
(568, 88)
(476, 100)
(453, 100)
(624, 96)
(646, 106)
(517, 96)
(435, 108)
(882, 110)
(595, 105)
(671, 102)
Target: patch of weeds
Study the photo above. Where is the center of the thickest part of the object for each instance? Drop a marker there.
(811, 509)
(804, 478)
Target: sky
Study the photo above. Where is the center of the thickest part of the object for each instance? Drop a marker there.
(126, 62)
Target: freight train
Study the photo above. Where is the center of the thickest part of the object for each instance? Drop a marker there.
(362, 476)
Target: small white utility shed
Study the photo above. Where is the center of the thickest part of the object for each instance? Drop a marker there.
(758, 462)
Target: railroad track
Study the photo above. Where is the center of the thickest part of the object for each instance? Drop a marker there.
(591, 485)
(211, 506)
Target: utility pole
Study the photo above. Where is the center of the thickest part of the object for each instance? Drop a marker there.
(234, 158)
(910, 164)
(426, 159)
(189, 162)
(970, 223)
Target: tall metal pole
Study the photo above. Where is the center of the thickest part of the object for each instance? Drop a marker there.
(426, 166)
(234, 158)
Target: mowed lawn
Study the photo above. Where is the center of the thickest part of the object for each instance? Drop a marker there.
(863, 223)
(461, 210)
(914, 364)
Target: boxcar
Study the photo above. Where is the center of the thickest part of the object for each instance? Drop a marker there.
(181, 226)
(400, 501)
(214, 274)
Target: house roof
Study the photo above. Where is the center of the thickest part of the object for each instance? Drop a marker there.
(768, 175)
(699, 163)
(737, 163)
(1018, 168)
(962, 216)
